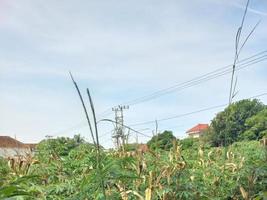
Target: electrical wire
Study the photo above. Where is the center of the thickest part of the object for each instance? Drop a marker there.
(259, 57)
(190, 113)
(181, 115)
(208, 76)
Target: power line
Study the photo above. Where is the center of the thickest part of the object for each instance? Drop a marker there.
(178, 116)
(172, 117)
(138, 132)
(126, 126)
(192, 82)
(197, 80)
(190, 113)
(204, 79)
(181, 115)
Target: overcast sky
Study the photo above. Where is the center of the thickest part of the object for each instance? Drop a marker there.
(121, 50)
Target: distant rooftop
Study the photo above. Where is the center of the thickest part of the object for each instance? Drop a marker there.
(9, 142)
(198, 128)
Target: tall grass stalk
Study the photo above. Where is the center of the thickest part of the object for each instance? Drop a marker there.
(84, 108)
(96, 142)
(98, 156)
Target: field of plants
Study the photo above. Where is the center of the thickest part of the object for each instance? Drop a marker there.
(65, 168)
(228, 162)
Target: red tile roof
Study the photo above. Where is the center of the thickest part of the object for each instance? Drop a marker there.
(9, 142)
(198, 128)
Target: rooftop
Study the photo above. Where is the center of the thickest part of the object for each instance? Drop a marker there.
(198, 128)
(9, 142)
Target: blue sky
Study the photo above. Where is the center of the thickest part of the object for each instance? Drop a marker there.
(121, 50)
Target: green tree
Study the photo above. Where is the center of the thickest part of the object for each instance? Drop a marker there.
(189, 143)
(162, 141)
(60, 146)
(229, 125)
(257, 126)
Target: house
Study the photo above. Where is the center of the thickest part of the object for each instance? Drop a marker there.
(10, 147)
(197, 130)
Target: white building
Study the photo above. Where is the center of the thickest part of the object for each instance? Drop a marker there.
(197, 130)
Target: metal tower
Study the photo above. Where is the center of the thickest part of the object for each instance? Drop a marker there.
(119, 131)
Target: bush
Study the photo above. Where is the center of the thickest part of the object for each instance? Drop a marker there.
(162, 141)
(189, 143)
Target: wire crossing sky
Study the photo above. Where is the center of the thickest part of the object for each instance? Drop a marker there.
(155, 56)
(252, 60)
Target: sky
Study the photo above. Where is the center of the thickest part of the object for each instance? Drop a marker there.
(121, 50)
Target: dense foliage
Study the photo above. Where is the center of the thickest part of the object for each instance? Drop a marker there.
(60, 146)
(231, 124)
(256, 126)
(66, 168)
(194, 171)
(189, 143)
(162, 141)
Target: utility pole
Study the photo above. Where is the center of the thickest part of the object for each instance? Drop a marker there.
(119, 131)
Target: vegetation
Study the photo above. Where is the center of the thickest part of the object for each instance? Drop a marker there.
(256, 126)
(189, 143)
(178, 173)
(162, 141)
(232, 124)
(66, 168)
(3, 166)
